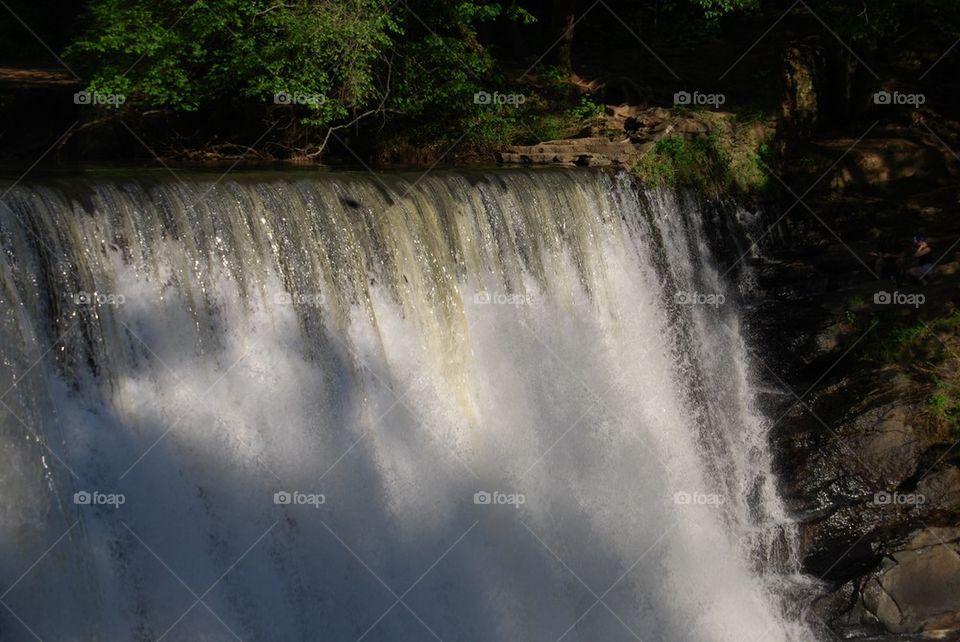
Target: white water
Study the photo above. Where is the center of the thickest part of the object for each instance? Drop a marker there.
(513, 332)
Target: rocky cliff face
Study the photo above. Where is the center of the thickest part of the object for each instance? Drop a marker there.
(876, 505)
(878, 496)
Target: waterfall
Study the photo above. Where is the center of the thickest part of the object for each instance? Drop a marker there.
(510, 405)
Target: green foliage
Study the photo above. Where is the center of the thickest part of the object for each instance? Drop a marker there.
(416, 64)
(331, 60)
(674, 161)
(944, 404)
(751, 172)
(945, 407)
(875, 21)
(475, 12)
(898, 338)
(853, 307)
(544, 113)
(180, 55)
(924, 351)
(890, 336)
(586, 110)
(724, 161)
(551, 75)
(717, 8)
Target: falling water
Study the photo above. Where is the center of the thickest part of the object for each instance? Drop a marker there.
(476, 406)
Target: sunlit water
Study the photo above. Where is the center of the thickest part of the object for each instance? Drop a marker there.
(503, 406)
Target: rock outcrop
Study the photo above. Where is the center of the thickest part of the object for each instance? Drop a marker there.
(916, 589)
(590, 152)
(628, 133)
(877, 498)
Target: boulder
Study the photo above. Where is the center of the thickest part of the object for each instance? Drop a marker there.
(917, 589)
(941, 490)
(887, 443)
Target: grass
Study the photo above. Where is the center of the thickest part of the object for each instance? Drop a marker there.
(927, 351)
(729, 159)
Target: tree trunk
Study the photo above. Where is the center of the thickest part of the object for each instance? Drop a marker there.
(800, 107)
(563, 54)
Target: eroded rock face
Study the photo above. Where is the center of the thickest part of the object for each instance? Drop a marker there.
(942, 490)
(877, 499)
(591, 152)
(872, 502)
(886, 443)
(630, 131)
(917, 588)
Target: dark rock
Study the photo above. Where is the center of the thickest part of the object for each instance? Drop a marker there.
(941, 490)
(872, 490)
(690, 126)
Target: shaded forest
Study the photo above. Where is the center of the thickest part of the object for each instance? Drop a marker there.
(321, 81)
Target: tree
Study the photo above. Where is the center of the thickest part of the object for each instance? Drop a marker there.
(321, 65)
(326, 58)
(565, 12)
